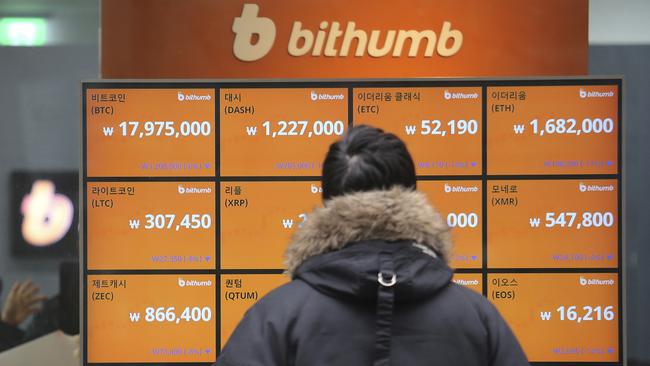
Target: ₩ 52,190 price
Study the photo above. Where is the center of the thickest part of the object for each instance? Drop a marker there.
(438, 128)
(170, 222)
(170, 129)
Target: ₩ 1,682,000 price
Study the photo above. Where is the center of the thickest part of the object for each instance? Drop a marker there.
(567, 126)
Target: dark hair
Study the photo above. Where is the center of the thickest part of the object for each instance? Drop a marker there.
(366, 159)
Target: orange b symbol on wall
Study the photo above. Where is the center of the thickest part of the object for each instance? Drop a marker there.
(47, 216)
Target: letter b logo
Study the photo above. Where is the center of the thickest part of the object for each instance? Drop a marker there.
(245, 27)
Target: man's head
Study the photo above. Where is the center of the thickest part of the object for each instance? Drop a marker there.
(366, 159)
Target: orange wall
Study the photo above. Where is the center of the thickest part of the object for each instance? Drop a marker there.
(194, 38)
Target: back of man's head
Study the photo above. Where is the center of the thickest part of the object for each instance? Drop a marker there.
(367, 159)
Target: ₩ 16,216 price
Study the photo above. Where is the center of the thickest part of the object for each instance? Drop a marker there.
(579, 314)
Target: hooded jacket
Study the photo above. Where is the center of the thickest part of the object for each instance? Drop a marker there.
(370, 286)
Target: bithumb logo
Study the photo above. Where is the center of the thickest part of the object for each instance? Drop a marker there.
(449, 95)
(47, 215)
(193, 190)
(466, 282)
(595, 94)
(459, 189)
(324, 96)
(325, 40)
(595, 282)
(191, 97)
(193, 283)
(595, 187)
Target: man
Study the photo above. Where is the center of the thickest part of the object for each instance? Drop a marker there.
(370, 284)
(22, 301)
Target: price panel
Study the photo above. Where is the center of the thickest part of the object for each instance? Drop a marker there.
(553, 129)
(193, 190)
(553, 224)
(151, 225)
(131, 321)
(150, 132)
(258, 219)
(279, 132)
(566, 317)
(441, 126)
(459, 202)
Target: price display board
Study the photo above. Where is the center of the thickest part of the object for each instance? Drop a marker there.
(192, 190)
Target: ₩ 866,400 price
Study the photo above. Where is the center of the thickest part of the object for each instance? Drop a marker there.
(170, 315)
(170, 129)
(170, 222)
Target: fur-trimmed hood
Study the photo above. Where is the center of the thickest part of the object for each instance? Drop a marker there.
(386, 215)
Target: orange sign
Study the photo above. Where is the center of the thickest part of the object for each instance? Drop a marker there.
(150, 132)
(553, 129)
(258, 218)
(152, 225)
(342, 39)
(552, 224)
(560, 317)
(269, 132)
(441, 126)
(459, 202)
(129, 320)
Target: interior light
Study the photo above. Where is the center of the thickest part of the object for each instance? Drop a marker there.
(23, 31)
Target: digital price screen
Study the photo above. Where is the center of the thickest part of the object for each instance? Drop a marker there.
(192, 191)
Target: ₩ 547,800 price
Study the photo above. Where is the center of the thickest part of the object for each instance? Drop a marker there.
(575, 220)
